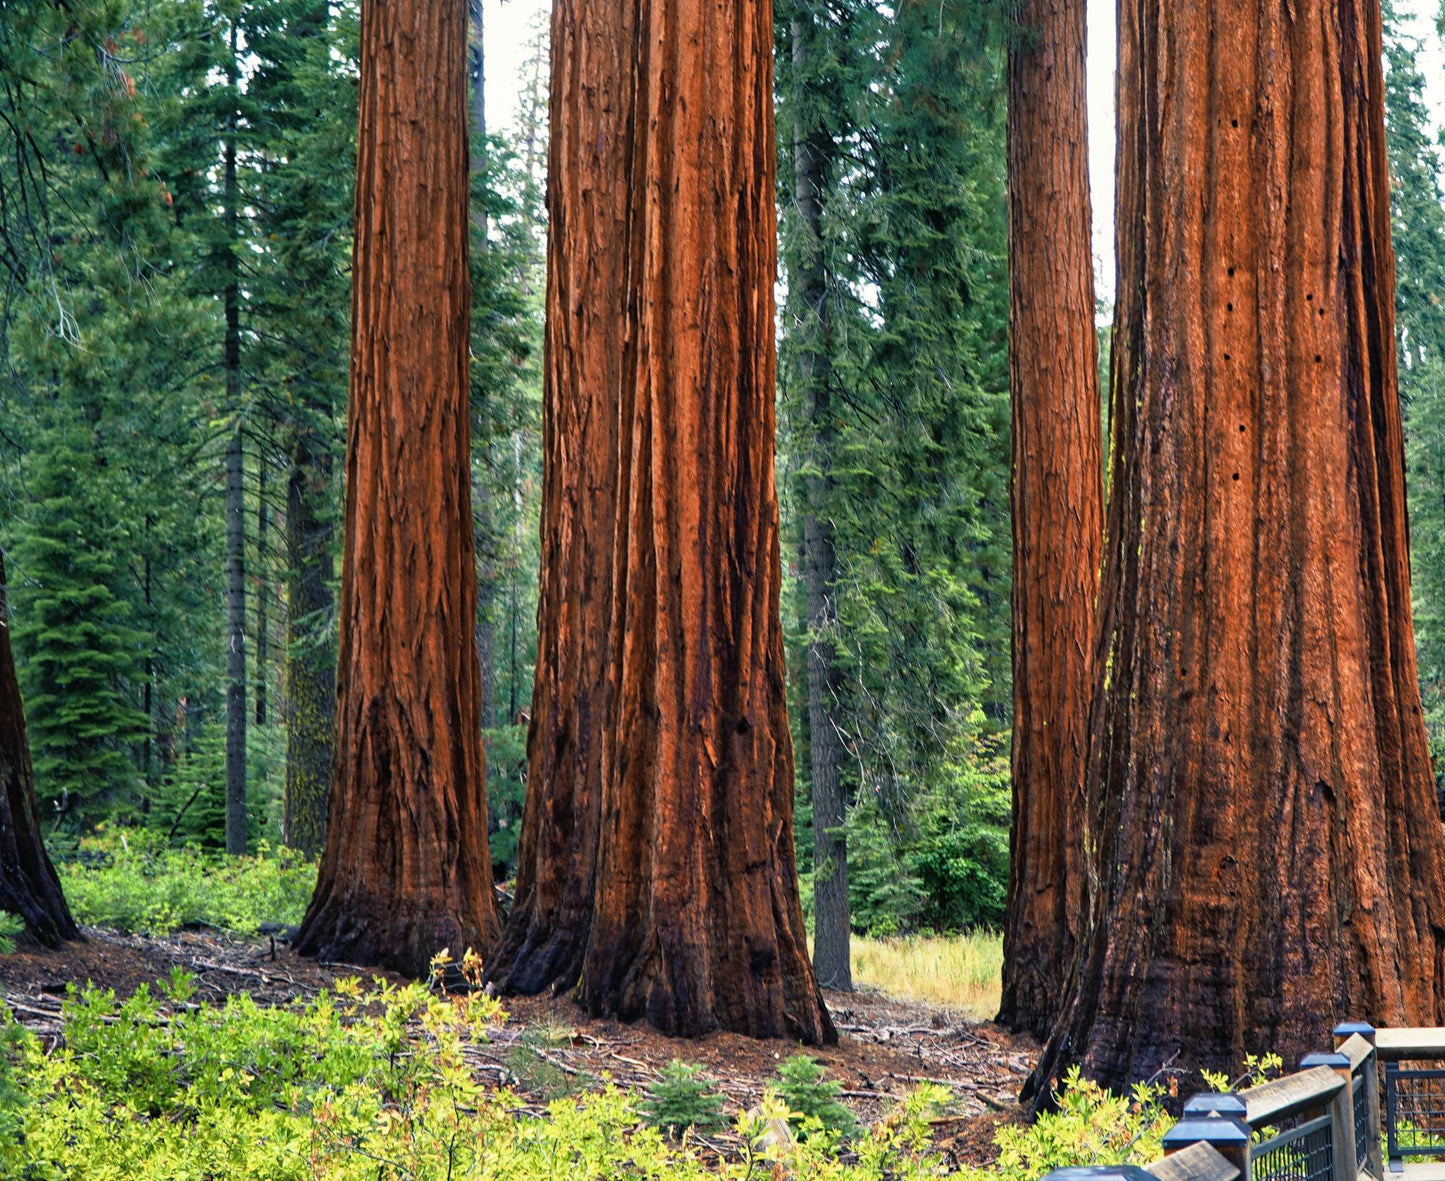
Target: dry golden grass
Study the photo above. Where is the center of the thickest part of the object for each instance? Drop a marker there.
(960, 971)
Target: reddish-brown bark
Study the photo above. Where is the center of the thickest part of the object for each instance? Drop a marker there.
(1261, 819)
(1058, 501)
(585, 346)
(28, 885)
(406, 869)
(685, 910)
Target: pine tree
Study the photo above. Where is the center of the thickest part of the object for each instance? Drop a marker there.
(910, 238)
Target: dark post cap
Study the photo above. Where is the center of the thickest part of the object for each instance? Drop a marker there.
(1346, 1028)
(1209, 1129)
(1100, 1173)
(1328, 1059)
(1216, 1103)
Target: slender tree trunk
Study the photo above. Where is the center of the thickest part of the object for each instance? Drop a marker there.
(832, 928)
(406, 870)
(28, 885)
(1058, 501)
(235, 648)
(263, 623)
(235, 499)
(693, 919)
(310, 652)
(1261, 822)
(486, 601)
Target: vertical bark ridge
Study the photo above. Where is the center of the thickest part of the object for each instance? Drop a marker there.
(583, 364)
(29, 886)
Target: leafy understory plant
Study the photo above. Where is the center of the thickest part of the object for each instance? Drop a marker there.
(354, 1084)
(1258, 1068)
(684, 1098)
(1091, 1126)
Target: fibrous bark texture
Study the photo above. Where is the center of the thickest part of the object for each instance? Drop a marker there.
(680, 903)
(28, 885)
(406, 869)
(1058, 501)
(583, 373)
(1262, 828)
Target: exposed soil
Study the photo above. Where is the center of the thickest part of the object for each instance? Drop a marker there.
(884, 1047)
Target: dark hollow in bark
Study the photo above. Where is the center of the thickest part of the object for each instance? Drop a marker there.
(28, 885)
(406, 869)
(1261, 816)
(1058, 501)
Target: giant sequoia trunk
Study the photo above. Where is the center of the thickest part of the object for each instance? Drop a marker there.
(1261, 817)
(28, 885)
(585, 345)
(679, 902)
(1058, 502)
(406, 869)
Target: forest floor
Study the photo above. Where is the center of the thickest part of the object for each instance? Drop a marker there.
(548, 1046)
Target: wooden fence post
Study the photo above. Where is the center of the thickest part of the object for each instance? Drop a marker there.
(1369, 1070)
(1342, 1115)
(1228, 1135)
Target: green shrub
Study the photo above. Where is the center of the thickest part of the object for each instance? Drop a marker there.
(350, 1085)
(1091, 1126)
(813, 1103)
(941, 862)
(684, 1097)
(129, 879)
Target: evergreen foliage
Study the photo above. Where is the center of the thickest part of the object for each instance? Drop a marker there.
(813, 1103)
(683, 1098)
(1418, 229)
(115, 255)
(913, 246)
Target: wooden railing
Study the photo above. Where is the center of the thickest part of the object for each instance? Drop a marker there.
(1322, 1123)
